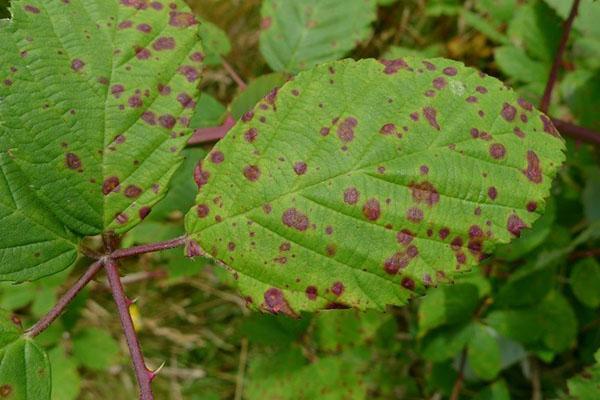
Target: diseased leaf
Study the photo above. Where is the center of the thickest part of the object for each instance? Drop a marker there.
(24, 367)
(256, 90)
(430, 161)
(96, 98)
(33, 242)
(300, 34)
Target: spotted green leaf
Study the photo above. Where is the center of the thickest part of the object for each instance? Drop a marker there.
(300, 34)
(363, 183)
(33, 241)
(24, 367)
(95, 101)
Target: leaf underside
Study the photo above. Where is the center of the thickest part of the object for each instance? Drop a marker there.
(362, 183)
(300, 34)
(95, 102)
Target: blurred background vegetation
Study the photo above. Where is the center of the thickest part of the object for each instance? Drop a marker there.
(526, 324)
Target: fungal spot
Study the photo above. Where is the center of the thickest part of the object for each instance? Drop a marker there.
(265, 23)
(31, 9)
(508, 112)
(132, 191)
(164, 43)
(351, 195)
(428, 65)
(144, 212)
(481, 89)
(247, 116)
(456, 243)
(181, 19)
(497, 151)
(414, 116)
(250, 135)
(328, 230)
(471, 99)
(439, 83)
(311, 292)
(164, 90)
(444, 232)
(145, 28)
(121, 218)
(285, 246)
(408, 283)
(405, 237)
(72, 161)
(324, 131)
(337, 288)
(430, 114)
(231, 246)
(400, 260)
(77, 65)
(252, 172)
(217, 157)
(392, 66)
(371, 210)
(167, 121)
(549, 126)
(267, 208)
(531, 206)
(525, 104)
(414, 214)
(533, 172)
(202, 210)
(388, 129)
(6, 389)
(450, 71)
(300, 168)
(424, 192)
(295, 219)
(135, 101)
(276, 303)
(515, 225)
(190, 73)
(519, 132)
(200, 175)
(424, 169)
(192, 249)
(492, 193)
(330, 250)
(345, 130)
(110, 184)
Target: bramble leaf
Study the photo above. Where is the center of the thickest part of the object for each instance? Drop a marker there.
(360, 184)
(95, 101)
(300, 34)
(34, 242)
(24, 367)
(586, 386)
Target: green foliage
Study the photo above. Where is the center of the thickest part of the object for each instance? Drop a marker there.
(215, 41)
(297, 204)
(586, 386)
(297, 35)
(585, 281)
(106, 143)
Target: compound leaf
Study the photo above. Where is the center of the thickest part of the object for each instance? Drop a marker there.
(296, 35)
(96, 98)
(362, 183)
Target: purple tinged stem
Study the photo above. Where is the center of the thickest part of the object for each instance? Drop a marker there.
(143, 375)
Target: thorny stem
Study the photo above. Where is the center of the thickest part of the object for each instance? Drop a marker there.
(148, 248)
(143, 375)
(66, 298)
(568, 25)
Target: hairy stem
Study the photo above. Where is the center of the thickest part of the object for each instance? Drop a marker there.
(148, 248)
(568, 25)
(577, 132)
(66, 298)
(143, 375)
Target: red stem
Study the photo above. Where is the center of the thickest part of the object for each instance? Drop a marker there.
(236, 78)
(568, 25)
(144, 376)
(577, 132)
(66, 298)
(206, 135)
(148, 248)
